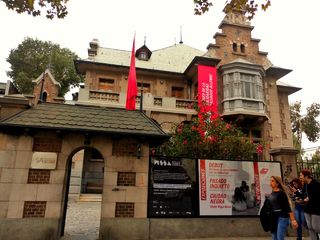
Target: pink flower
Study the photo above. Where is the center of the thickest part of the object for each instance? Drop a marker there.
(259, 149)
(185, 142)
(228, 126)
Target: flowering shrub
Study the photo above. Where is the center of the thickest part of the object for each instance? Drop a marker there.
(209, 136)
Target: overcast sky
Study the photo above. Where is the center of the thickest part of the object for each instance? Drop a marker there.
(289, 32)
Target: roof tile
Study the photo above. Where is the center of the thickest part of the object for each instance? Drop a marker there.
(93, 118)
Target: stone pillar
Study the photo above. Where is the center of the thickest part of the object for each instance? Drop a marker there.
(287, 157)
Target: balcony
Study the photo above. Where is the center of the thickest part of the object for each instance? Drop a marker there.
(150, 102)
(244, 109)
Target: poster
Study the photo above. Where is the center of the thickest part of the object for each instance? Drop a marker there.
(172, 182)
(234, 187)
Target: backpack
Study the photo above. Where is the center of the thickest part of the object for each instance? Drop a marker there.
(266, 216)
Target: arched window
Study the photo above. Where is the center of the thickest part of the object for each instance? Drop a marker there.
(242, 48)
(234, 47)
(44, 96)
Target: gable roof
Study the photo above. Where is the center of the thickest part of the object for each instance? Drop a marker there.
(46, 72)
(86, 119)
(174, 58)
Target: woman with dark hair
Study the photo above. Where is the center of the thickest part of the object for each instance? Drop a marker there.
(297, 196)
(238, 200)
(282, 213)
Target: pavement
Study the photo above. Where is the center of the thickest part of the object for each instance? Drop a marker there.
(83, 220)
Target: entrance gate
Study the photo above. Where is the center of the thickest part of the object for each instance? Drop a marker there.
(313, 165)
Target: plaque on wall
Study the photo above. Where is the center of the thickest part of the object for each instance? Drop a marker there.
(44, 160)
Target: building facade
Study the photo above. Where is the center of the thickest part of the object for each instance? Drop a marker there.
(250, 91)
(38, 142)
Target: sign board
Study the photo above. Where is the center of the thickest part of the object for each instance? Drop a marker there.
(172, 187)
(44, 160)
(219, 180)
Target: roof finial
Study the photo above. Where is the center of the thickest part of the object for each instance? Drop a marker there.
(145, 40)
(181, 35)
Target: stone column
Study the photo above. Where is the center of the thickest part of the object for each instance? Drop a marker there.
(287, 157)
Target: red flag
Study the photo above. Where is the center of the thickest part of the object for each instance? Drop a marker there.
(132, 81)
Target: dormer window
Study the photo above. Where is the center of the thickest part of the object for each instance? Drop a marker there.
(234, 47)
(143, 56)
(143, 53)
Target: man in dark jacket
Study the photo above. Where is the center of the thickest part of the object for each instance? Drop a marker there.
(312, 203)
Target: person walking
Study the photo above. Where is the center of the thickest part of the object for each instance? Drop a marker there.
(311, 203)
(297, 196)
(282, 213)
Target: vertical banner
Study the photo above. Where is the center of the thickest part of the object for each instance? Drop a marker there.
(257, 182)
(207, 89)
(203, 184)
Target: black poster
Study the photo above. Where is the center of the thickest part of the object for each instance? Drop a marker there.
(172, 187)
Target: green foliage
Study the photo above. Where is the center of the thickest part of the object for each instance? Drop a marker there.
(249, 7)
(32, 57)
(316, 156)
(210, 137)
(305, 123)
(53, 8)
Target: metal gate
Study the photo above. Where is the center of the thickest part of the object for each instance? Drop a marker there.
(313, 165)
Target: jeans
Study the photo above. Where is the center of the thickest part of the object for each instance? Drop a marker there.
(283, 224)
(313, 222)
(299, 215)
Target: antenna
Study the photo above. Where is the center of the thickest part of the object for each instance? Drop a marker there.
(181, 35)
(145, 40)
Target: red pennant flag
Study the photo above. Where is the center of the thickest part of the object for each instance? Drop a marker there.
(132, 81)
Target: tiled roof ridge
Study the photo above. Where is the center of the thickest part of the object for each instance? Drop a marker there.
(159, 49)
(85, 118)
(182, 44)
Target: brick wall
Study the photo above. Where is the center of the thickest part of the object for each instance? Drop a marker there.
(124, 147)
(124, 210)
(42, 144)
(126, 179)
(34, 209)
(39, 176)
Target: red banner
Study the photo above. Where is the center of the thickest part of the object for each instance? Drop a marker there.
(257, 181)
(207, 89)
(203, 177)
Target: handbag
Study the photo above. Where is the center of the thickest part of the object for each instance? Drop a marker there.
(266, 215)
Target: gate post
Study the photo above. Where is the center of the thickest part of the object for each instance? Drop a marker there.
(287, 157)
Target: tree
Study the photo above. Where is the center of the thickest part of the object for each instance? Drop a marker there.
(58, 8)
(307, 123)
(249, 7)
(53, 8)
(32, 57)
(209, 137)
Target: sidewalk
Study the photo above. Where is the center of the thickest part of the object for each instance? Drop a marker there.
(83, 219)
(239, 238)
